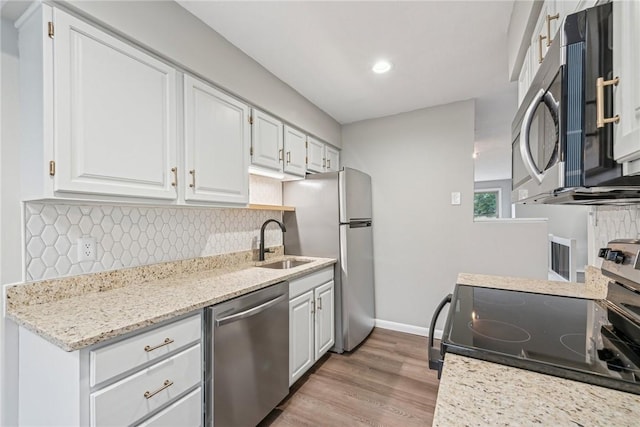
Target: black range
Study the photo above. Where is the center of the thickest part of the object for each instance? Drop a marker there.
(597, 342)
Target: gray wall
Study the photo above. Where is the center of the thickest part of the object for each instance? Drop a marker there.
(505, 186)
(421, 241)
(173, 32)
(570, 222)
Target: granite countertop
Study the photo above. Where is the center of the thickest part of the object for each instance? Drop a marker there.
(86, 318)
(595, 286)
(477, 393)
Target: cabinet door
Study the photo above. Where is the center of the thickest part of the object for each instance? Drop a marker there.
(626, 65)
(115, 115)
(315, 155)
(301, 349)
(539, 45)
(524, 79)
(325, 319)
(333, 159)
(217, 139)
(266, 141)
(295, 151)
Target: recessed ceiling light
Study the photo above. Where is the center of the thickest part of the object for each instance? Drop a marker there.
(381, 67)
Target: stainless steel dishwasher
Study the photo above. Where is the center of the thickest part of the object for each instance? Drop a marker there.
(248, 358)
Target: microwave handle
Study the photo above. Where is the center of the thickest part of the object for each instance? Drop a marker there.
(525, 152)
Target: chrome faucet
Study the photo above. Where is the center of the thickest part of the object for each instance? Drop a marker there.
(262, 249)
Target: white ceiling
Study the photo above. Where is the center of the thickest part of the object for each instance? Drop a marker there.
(442, 51)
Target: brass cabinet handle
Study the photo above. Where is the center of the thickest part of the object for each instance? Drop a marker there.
(166, 341)
(540, 57)
(600, 119)
(192, 172)
(175, 176)
(328, 163)
(319, 304)
(549, 19)
(280, 154)
(288, 157)
(150, 394)
(324, 162)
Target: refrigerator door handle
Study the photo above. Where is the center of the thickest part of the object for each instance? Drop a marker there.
(358, 223)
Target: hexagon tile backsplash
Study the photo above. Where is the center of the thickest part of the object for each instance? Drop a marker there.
(131, 236)
(613, 222)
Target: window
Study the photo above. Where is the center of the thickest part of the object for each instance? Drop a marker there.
(486, 203)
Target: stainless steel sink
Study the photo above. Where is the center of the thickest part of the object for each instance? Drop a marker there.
(283, 265)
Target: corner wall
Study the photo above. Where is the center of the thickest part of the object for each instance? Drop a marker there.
(421, 241)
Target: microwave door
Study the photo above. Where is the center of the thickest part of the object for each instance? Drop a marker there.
(539, 135)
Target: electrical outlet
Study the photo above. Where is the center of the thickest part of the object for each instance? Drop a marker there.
(86, 249)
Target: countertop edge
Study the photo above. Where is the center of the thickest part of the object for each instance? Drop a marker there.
(96, 338)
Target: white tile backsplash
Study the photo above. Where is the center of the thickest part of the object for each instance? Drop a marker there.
(131, 236)
(612, 222)
(264, 190)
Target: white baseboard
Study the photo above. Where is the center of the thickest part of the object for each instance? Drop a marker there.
(409, 329)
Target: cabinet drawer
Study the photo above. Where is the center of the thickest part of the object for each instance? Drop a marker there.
(306, 283)
(114, 359)
(134, 397)
(186, 412)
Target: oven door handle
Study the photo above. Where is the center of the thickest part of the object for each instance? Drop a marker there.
(435, 354)
(525, 150)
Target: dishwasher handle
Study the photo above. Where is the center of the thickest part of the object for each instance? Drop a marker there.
(435, 354)
(250, 312)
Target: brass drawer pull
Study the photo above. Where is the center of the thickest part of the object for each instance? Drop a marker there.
(600, 119)
(549, 19)
(328, 163)
(150, 394)
(166, 341)
(280, 154)
(540, 57)
(319, 304)
(288, 157)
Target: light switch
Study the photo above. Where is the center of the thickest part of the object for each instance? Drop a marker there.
(455, 198)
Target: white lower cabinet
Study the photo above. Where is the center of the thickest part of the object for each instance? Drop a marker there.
(186, 412)
(154, 377)
(311, 320)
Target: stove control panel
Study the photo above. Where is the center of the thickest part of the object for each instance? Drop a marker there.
(621, 261)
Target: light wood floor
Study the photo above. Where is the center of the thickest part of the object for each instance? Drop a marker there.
(384, 382)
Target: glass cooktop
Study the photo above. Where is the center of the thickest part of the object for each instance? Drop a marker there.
(562, 336)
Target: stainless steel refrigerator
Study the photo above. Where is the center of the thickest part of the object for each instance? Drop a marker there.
(333, 219)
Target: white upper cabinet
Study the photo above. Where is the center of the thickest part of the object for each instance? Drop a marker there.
(315, 155)
(217, 140)
(333, 159)
(322, 157)
(626, 66)
(524, 79)
(110, 108)
(266, 141)
(295, 151)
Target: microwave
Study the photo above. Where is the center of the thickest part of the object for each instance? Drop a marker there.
(562, 149)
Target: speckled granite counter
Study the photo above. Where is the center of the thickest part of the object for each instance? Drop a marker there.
(595, 286)
(77, 312)
(477, 393)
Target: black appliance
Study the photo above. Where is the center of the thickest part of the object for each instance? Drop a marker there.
(596, 342)
(562, 135)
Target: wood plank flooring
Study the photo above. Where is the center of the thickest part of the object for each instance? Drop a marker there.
(384, 382)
